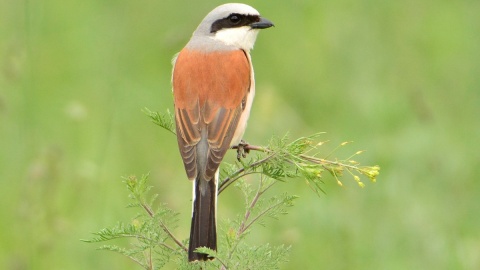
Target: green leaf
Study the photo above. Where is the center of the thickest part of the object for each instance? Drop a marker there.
(165, 120)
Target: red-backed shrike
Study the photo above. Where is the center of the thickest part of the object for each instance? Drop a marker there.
(213, 87)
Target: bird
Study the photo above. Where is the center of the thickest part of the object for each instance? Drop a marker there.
(213, 89)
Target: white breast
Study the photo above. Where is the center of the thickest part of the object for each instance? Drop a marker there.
(242, 123)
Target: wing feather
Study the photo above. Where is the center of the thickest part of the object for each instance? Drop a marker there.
(208, 91)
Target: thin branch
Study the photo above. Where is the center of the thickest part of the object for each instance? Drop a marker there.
(164, 227)
(234, 177)
(249, 209)
(245, 218)
(150, 262)
(244, 227)
(262, 214)
(136, 236)
(148, 209)
(229, 180)
(322, 161)
(260, 193)
(253, 147)
(313, 159)
(224, 266)
(167, 246)
(137, 261)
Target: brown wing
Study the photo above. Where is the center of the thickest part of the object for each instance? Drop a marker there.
(208, 89)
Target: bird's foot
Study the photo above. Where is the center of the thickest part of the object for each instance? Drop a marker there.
(242, 150)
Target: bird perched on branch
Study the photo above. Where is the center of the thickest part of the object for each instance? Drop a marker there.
(213, 87)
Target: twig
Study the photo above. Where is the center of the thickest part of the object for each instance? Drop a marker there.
(136, 260)
(253, 147)
(150, 259)
(244, 226)
(327, 162)
(164, 227)
(263, 212)
(224, 266)
(229, 180)
(233, 177)
(147, 208)
(127, 235)
(245, 218)
(249, 209)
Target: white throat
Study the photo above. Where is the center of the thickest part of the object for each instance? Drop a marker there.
(241, 37)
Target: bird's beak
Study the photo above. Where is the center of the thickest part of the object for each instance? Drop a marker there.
(262, 24)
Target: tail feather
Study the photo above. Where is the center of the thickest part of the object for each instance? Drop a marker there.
(203, 232)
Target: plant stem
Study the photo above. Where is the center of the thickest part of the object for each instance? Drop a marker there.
(164, 227)
(229, 180)
(325, 161)
(263, 212)
(244, 227)
(150, 259)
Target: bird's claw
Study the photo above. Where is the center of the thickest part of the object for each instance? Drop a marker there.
(242, 150)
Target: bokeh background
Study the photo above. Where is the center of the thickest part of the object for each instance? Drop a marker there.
(399, 78)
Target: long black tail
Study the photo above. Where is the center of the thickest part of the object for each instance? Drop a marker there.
(203, 232)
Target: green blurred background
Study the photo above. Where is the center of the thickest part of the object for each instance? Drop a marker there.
(399, 78)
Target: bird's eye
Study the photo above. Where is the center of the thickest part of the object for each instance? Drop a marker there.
(235, 19)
